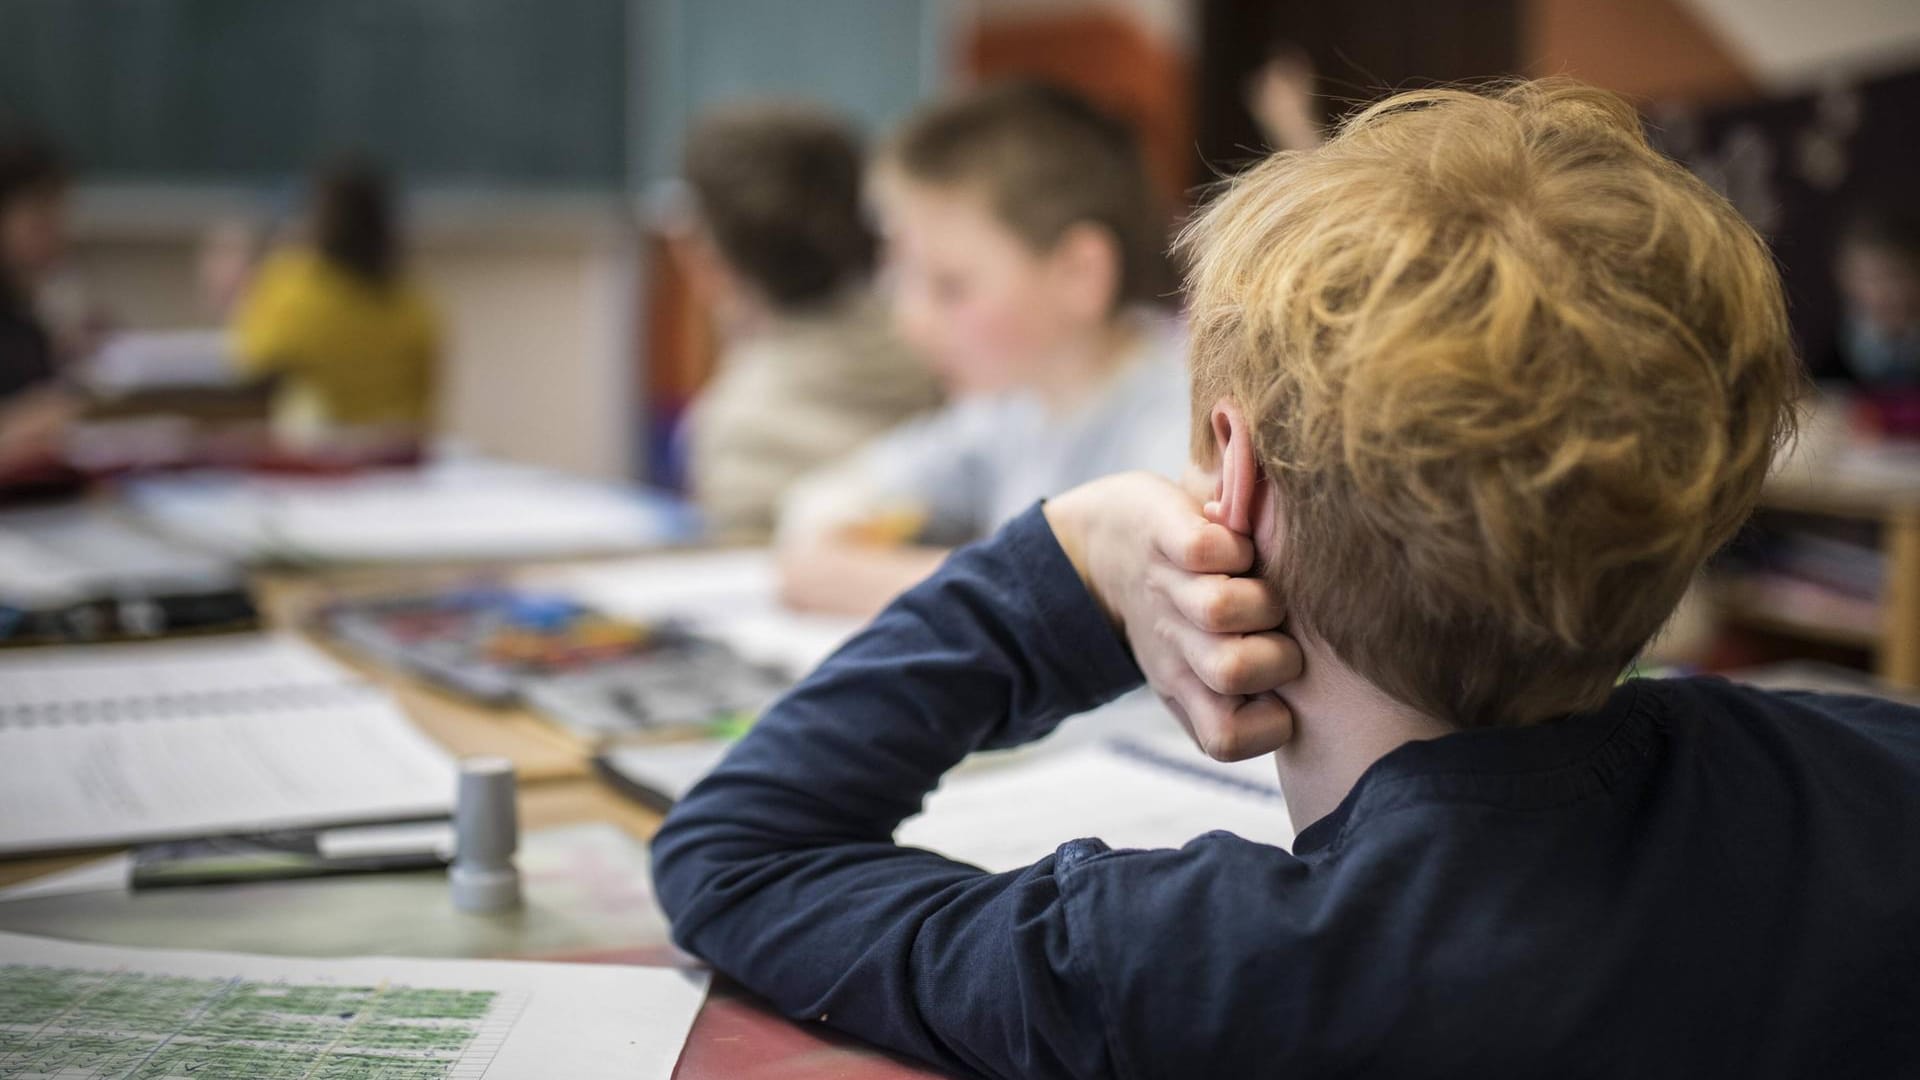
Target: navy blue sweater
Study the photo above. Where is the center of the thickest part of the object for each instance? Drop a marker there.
(1697, 879)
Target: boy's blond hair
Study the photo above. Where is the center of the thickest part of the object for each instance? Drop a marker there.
(1515, 376)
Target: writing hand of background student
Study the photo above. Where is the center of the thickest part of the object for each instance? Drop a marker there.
(1207, 639)
(33, 428)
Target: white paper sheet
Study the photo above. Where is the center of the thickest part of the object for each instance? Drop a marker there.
(162, 360)
(105, 1012)
(668, 769)
(1129, 794)
(122, 743)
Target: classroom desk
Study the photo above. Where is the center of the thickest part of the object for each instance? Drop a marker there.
(736, 1037)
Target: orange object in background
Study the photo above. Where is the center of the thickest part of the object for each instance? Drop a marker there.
(677, 355)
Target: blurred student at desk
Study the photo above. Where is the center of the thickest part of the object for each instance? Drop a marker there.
(352, 342)
(1878, 272)
(1026, 253)
(33, 188)
(34, 410)
(779, 247)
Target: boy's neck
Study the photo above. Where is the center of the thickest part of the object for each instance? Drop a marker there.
(1079, 369)
(1342, 724)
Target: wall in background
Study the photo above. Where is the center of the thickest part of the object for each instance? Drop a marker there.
(872, 59)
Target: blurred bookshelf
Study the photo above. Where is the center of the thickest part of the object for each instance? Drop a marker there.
(1832, 558)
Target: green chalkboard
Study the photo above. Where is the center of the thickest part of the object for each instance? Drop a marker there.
(514, 93)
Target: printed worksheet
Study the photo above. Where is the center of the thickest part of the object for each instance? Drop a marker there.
(93, 1012)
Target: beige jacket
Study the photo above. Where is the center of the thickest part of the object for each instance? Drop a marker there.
(806, 391)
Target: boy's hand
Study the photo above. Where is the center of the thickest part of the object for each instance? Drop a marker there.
(1208, 641)
(33, 428)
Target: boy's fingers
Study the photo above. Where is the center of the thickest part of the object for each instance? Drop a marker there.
(1240, 664)
(1256, 725)
(1223, 605)
(1199, 546)
(1232, 729)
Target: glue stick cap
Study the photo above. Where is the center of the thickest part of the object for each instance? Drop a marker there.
(486, 834)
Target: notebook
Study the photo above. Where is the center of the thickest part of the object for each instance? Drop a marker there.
(112, 744)
(1005, 811)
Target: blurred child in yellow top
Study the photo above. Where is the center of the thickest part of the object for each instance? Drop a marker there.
(352, 343)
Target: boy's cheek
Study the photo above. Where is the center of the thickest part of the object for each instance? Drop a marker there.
(979, 353)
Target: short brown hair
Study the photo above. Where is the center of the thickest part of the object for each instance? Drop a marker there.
(30, 166)
(355, 224)
(1046, 160)
(1515, 376)
(778, 189)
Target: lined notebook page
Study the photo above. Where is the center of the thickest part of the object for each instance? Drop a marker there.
(93, 676)
(116, 744)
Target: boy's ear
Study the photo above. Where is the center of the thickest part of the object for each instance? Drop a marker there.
(1237, 495)
(1086, 259)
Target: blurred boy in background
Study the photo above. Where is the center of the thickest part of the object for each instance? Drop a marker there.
(1878, 269)
(33, 410)
(353, 343)
(1025, 251)
(780, 249)
(33, 190)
